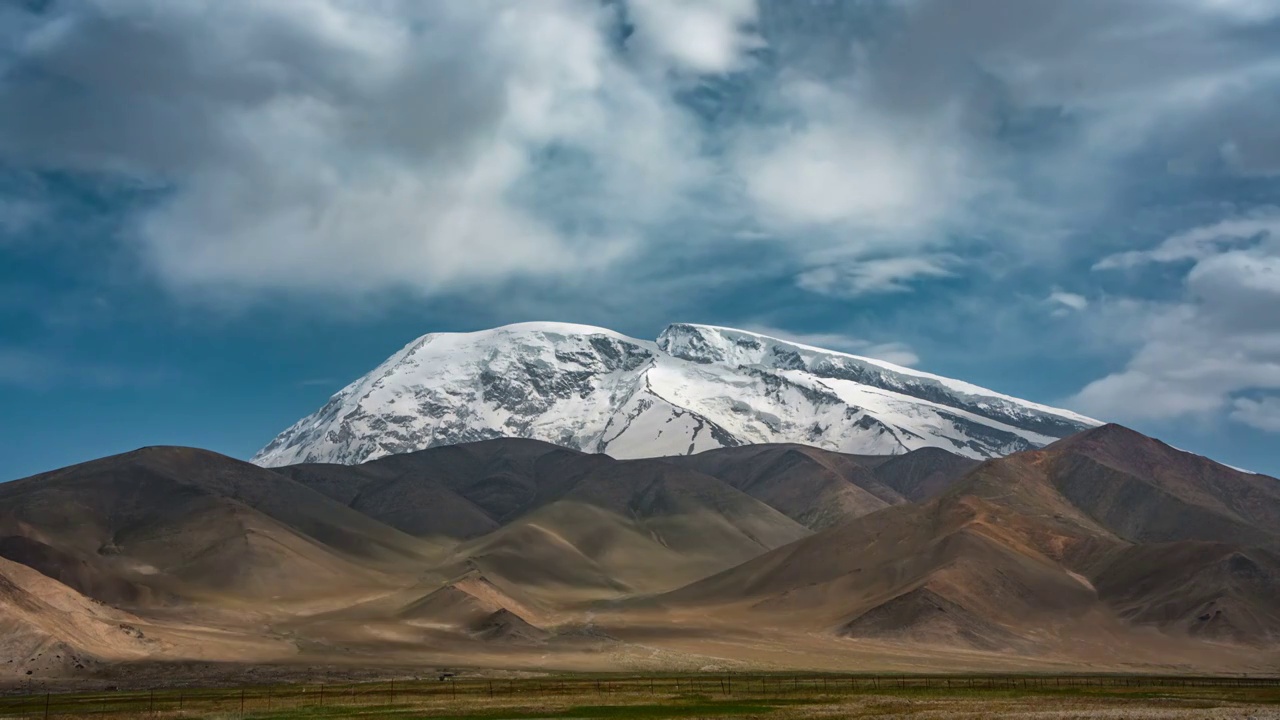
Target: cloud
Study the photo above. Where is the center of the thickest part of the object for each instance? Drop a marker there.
(332, 147)
(1263, 414)
(1066, 301)
(698, 36)
(868, 277)
(1003, 128)
(1244, 10)
(842, 164)
(1202, 354)
(543, 154)
(1064, 304)
(892, 352)
(1201, 242)
(341, 148)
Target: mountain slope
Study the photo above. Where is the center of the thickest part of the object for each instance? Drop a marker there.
(165, 522)
(920, 474)
(46, 627)
(696, 388)
(1205, 589)
(1108, 524)
(1146, 491)
(1107, 548)
(814, 487)
(465, 491)
(540, 515)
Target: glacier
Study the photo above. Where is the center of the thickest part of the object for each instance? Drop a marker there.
(697, 387)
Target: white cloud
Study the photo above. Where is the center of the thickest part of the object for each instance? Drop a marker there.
(1263, 414)
(699, 36)
(1244, 10)
(1237, 287)
(337, 147)
(874, 180)
(1064, 303)
(1070, 300)
(868, 277)
(1182, 369)
(1201, 242)
(1222, 340)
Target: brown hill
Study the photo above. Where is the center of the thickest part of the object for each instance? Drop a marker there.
(1031, 542)
(413, 504)
(1207, 589)
(579, 549)
(1107, 548)
(976, 555)
(506, 626)
(556, 520)
(457, 491)
(469, 603)
(924, 616)
(814, 487)
(48, 628)
(1146, 491)
(465, 491)
(164, 522)
(921, 474)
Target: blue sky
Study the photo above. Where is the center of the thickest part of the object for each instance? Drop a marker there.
(215, 214)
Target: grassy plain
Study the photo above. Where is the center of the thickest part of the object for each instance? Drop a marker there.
(773, 697)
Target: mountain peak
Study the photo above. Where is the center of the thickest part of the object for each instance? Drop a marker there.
(542, 327)
(681, 338)
(1106, 434)
(1130, 450)
(697, 387)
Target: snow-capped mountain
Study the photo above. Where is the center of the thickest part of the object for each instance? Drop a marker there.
(696, 388)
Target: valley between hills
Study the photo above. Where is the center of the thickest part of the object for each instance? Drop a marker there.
(1106, 551)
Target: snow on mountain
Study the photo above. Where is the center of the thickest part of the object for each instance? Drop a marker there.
(697, 388)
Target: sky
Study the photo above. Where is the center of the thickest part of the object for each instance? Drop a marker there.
(216, 213)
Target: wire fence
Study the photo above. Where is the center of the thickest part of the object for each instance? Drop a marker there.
(281, 700)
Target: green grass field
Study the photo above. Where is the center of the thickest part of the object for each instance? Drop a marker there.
(690, 696)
